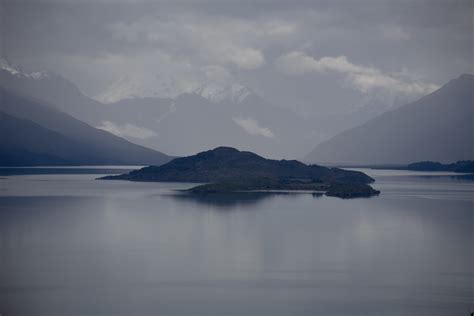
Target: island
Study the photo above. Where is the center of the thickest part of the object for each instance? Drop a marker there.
(226, 169)
(462, 166)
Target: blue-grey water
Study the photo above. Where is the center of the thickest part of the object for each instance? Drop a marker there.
(70, 245)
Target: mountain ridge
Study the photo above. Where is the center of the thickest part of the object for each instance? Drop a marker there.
(170, 124)
(436, 127)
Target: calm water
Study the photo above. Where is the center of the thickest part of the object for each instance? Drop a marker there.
(70, 245)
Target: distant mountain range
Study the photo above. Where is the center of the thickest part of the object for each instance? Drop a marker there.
(439, 127)
(190, 123)
(128, 87)
(436, 127)
(211, 115)
(244, 118)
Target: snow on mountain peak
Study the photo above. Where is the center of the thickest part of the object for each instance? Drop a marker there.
(16, 71)
(6, 65)
(216, 92)
(127, 87)
(137, 87)
(38, 75)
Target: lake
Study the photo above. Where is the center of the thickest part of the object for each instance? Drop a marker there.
(71, 245)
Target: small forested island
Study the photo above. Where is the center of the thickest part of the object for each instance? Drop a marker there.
(226, 169)
(463, 166)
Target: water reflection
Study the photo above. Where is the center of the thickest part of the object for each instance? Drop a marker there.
(75, 246)
(232, 200)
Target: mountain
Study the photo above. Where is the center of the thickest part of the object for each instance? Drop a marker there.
(130, 87)
(439, 127)
(187, 121)
(227, 169)
(218, 92)
(191, 123)
(25, 143)
(45, 135)
(327, 126)
(53, 89)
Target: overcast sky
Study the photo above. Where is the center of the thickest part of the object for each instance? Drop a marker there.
(306, 55)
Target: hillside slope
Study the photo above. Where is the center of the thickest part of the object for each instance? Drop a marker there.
(93, 145)
(437, 127)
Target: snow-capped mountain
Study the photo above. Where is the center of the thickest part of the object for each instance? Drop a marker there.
(128, 87)
(217, 92)
(6, 65)
(18, 72)
(50, 87)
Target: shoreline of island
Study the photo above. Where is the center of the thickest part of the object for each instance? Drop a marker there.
(228, 170)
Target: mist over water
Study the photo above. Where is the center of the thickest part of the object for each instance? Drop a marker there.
(74, 246)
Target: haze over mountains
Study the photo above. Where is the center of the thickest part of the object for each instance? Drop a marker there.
(437, 127)
(39, 131)
(188, 122)
(50, 88)
(128, 87)
(209, 116)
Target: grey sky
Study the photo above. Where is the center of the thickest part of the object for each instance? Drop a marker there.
(307, 55)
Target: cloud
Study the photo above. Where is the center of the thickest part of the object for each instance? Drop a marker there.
(162, 48)
(251, 126)
(217, 73)
(169, 55)
(226, 41)
(150, 73)
(394, 32)
(362, 78)
(127, 130)
(246, 58)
